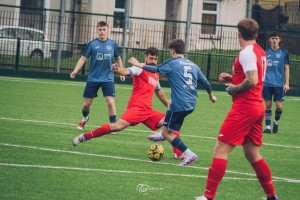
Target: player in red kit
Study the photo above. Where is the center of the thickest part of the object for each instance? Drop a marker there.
(243, 124)
(139, 108)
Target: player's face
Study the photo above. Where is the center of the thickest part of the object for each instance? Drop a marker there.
(102, 32)
(151, 60)
(274, 41)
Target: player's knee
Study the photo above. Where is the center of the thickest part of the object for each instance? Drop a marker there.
(268, 106)
(86, 106)
(118, 126)
(252, 158)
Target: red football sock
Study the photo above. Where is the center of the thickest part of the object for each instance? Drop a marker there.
(177, 151)
(103, 130)
(264, 176)
(215, 175)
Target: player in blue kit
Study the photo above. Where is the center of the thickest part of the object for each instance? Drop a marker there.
(276, 81)
(102, 51)
(183, 76)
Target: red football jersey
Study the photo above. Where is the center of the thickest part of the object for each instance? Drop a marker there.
(253, 57)
(144, 86)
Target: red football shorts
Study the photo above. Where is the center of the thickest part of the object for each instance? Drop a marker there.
(242, 124)
(150, 118)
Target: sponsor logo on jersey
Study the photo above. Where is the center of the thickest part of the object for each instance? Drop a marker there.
(107, 56)
(109, 48)
(99, 56)
(152, 81)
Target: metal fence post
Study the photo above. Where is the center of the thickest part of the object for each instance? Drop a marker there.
(188, 27)
(18, 54)
(126, 23)
(60, 34)
(208, 66)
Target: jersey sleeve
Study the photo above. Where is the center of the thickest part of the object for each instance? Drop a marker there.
(248, 59)
(88, 50)
(287, 58)
(116, 50)
(135, 71)
(164, 68)
(200, 76)
(158, 87)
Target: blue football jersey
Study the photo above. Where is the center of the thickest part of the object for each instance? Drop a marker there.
(183, 76)
(275, 73)
(102, 54)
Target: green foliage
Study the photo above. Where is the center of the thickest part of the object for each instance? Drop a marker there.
(37, 160)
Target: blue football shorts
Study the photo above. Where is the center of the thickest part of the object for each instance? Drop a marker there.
(276, 92)
(91, 89)
(174, 120)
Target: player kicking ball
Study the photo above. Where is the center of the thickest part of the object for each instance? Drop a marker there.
(139, 109)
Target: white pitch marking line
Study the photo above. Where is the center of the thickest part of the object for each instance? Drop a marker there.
(139, 160)
(119, 86)
(133, 130)
(115, 171)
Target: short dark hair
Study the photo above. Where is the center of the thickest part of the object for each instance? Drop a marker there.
(102, 23)
(274, 34)
(152, 51)
(248, 28)
(178, 45)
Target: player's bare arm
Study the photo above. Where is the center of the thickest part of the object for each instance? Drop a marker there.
(133, 61)
(119, 62)
(250, 81)
(162, 97)
(122, 71)
(79, 65)
(287, 78)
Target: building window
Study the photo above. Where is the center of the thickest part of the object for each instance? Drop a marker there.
(31, 14)
(119, 13)
(210, 13)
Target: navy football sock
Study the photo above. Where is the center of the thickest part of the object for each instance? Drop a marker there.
(178, 143)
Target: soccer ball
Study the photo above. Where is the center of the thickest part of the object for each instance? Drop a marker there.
(156, 152)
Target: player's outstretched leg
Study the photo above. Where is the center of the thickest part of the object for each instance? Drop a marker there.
(99, 132)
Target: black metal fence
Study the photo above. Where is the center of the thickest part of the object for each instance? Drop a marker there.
(214, 53)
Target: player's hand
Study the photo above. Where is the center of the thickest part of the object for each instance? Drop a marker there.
(231, 89)
(225, 78)
(115, 67)
(73, 74)
(122, 78)
(286, 88)
(133, 61)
